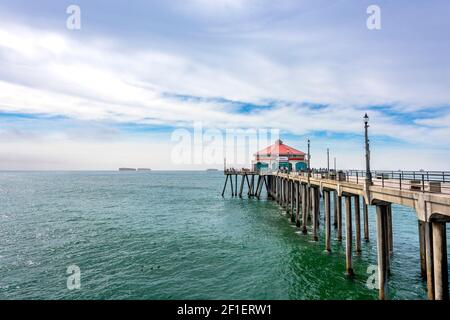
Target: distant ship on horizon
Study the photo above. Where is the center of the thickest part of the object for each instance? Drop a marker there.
(134, 169)
(212, 170)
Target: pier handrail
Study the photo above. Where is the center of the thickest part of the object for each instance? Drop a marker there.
(424, 181)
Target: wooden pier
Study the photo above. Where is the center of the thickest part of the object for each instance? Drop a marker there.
(428, 193)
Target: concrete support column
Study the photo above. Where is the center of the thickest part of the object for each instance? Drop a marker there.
(429, 260)
(304, 208)
(348, 236)
(309, 194)
(295, 215)
(357, 224)
(274, 181)
(339, 214)
(289, 194)
(286, 195)
(280, 184)
(315, 213)
(366, 221)
(292, 193)
(272, 178)
(231, 185)
(317, 199)
(257, 186)
(389, 230)
(280, 190)
(423, 263)
(308, 202)
(277, 189)
(382, 250)
(440, 261)
(335, 215)
(326, 195)
(261, 182)
(293, 201)
(271, 187)
(241, 188)
(225, 185)
(388, 237)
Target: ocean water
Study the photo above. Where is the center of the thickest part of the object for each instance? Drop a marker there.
(170, 235)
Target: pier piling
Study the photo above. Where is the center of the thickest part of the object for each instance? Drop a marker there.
(232, 189)
(440, 261)
(292, 194)
(423, 264)
(252, 186)
(298, 195)
(348, 236)
(248, 185)
(315, 214)
(326, 195)
(366, 221)
(295, 211)
(382, 250)
(339, 217)
(224, 186)
(389, 229)
(304, 208)
(387, 240)
(335, 208)
(357, 225)
(429, 260)
(258, 187)
(241, 189)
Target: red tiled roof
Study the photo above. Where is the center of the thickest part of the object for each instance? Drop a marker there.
(278, 148)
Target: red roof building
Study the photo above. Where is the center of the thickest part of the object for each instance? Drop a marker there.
(279, 156)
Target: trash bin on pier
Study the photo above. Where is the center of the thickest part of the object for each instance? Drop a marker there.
(416, 185)
(435, 186)
(341, 176)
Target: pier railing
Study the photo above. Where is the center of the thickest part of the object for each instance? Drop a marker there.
(424, 181)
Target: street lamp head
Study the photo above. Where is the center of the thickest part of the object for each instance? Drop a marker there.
(366, 118)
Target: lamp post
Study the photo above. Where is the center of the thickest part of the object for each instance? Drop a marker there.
(309, 157)
(328, 162)
(366, 127)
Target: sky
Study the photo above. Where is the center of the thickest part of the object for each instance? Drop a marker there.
(130, 86)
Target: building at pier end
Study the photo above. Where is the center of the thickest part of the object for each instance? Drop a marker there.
(279, 156)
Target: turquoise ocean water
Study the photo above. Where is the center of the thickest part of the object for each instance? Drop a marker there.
(170, 235)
